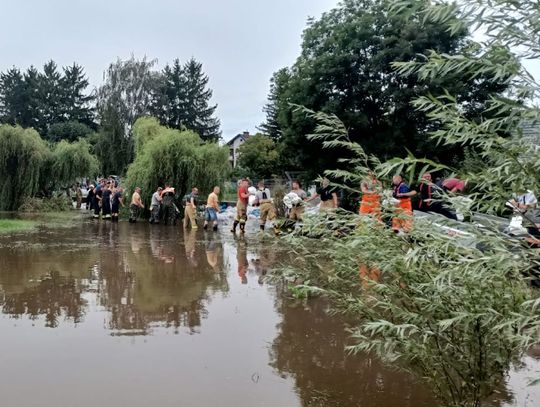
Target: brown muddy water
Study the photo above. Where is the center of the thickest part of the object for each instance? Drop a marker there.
(108, 314)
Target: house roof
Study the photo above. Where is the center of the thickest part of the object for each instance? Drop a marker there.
(243, 136)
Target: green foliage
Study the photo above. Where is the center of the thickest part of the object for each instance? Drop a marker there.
(126, 95)
(22, 156)
(177, 96)
(454, 315)
(346, 68)
(175, 156)
(71, 161)
(259, 157)
(40, 99)
(145, 130)
(512, 163)
(182, 101)
(60, 203)
(456, 312)
(69, 131)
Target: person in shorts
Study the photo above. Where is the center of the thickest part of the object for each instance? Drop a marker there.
(212, 209)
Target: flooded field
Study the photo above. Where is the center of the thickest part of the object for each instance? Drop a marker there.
(108, 314)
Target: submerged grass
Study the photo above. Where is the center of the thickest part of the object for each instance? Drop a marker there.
(32, 222)
(16, 225)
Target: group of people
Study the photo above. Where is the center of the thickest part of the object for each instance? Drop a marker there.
(163, 208)
(430, 198)
(104, 199)
(294, 202)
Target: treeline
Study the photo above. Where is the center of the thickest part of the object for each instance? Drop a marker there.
(30, 166)
(60, 105)
(347, 67)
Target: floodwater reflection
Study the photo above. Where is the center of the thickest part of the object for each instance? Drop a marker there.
(150, 315)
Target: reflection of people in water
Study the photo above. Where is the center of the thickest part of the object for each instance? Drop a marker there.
(212, 255)
(189, 244)
(265, 259)
(241, 259)
(136, 243)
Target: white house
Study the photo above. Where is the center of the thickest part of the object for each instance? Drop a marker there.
(234, 144)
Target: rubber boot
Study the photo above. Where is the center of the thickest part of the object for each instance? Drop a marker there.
(235, 224)
(214, 228)
(261, 227)
(242, 227)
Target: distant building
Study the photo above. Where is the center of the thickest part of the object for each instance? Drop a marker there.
(531, 132)
(234, 144)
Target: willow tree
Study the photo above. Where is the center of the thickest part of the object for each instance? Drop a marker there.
(180, 157)
(22, 155)
(70, 161)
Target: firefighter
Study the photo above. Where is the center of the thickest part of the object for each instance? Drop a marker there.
(371, 198)
(402, 221)
(241, 207)
(190, 213)
(167, 199)
(297, 211)
(266, 207)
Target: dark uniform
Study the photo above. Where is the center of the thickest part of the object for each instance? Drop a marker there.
(106, 203)
(169, 211)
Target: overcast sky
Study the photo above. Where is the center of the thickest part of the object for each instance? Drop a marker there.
(240, 42)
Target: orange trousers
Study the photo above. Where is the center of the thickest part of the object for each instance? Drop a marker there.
(368, 275)
(370, 205)
(404, 216)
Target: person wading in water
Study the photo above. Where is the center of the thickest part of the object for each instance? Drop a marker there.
(266, 207)
(169, 211)
(136, 205)
(297, 211)
(154, 206)
(212, 209)
(241, 207)
(190, 213)
(106, 201)
(116, 201)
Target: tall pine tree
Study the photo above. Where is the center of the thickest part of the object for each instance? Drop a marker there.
(183, 100)
(274, 107)
(199, 113)
(40, 100)
(76, 104)
(50, 97)
(13, 97)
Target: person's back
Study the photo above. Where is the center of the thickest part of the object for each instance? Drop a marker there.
(167, 200)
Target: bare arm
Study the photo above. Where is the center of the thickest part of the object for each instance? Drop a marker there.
(407, 194)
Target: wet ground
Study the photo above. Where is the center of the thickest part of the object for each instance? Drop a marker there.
(108, 314)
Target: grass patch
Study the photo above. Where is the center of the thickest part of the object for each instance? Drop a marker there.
(17, 225)
(29, 222)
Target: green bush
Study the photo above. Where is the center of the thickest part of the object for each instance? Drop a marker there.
(180, 157)
(40, 205)
(22, 156)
